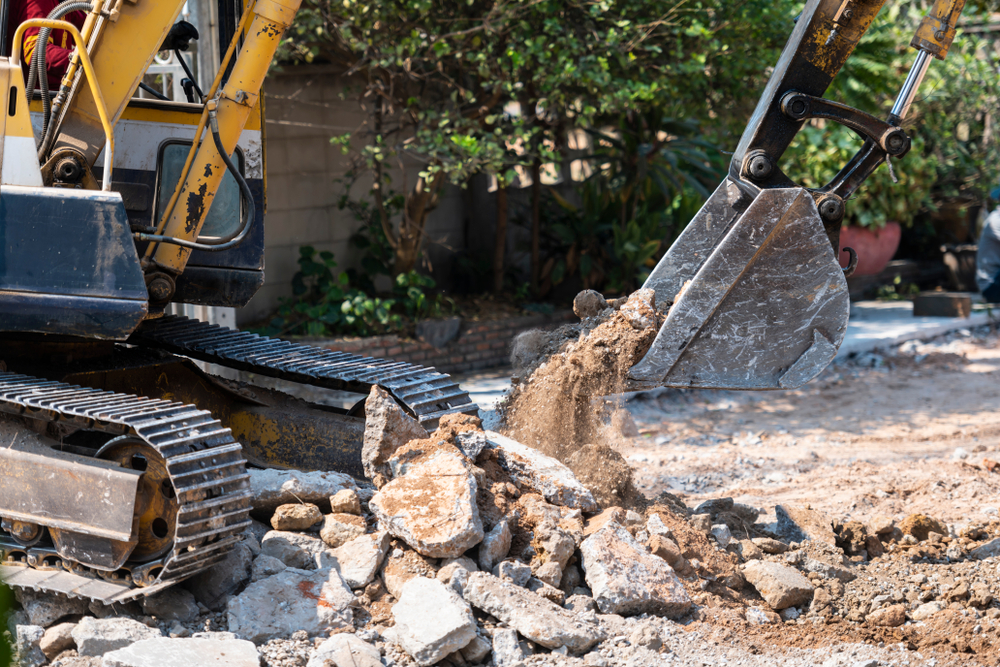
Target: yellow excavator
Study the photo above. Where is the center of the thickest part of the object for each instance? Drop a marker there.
(123, 462)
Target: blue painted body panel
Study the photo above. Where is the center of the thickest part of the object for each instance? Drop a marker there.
(68, 264)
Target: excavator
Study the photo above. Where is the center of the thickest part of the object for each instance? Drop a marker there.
(124, 448)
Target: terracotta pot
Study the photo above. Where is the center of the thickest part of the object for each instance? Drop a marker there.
(875, 248)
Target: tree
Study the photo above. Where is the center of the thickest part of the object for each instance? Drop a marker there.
(488, 85)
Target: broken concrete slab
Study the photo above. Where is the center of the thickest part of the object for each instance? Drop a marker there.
(44, 609)
(97, 636)
(271, 488)
(26, 644)
(184, 652)
(432, 621)
(264, 566)
(433, 506)
(548, 476)
(213, 586)
(338, 529)
(387, 428)
(359, 560)
(626, 580)
(313, 601)
(536, 618)
(781, 586)
(471, 443)
(799, 524)
(506, 648)
(400, 566)
(173, 604)
(296, 516)
(293, 549)
(494, 546)
(345, 650)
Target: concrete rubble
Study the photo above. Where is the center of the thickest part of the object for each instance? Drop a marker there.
(466, 548)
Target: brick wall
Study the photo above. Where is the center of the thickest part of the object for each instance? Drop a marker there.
(478, 344)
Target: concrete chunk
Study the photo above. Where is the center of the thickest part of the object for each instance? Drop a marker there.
(799, 524)
(387, 428)
(626, 580)
(345, 650)
(275, 607)
(359, 559)
(547, 475)
(271, 488)
(495, 546)
(433, 506)
(432, 621)
(780, 585)
(97, 636)
(186, 652)
(536, 618)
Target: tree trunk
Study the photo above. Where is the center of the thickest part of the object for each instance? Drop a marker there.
(536, 223)
(500, 243)
(419, 203)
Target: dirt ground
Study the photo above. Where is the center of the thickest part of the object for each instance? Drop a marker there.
(910, 430)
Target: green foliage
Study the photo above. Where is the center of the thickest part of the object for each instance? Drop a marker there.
(897, 291)
(327, 303)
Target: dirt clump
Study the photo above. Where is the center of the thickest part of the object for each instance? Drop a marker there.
(558, 406)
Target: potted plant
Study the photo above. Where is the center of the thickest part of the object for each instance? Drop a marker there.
(874, 219)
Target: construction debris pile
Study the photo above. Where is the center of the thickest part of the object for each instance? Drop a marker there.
(468, 547)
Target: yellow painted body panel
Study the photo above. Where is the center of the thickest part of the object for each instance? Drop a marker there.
(12, 82)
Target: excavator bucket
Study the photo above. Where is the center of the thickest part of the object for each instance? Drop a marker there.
(758, 298)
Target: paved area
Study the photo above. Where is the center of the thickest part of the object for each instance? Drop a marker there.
(873, 325)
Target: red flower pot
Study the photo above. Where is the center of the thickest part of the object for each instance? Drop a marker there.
(875, 247)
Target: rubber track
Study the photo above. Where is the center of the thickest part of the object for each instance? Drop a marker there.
(205, 464)
(427, 393)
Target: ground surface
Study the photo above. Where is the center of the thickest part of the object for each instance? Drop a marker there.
(883, 435)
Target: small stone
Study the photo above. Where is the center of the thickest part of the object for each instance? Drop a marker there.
(926, 610)
(761, 616)
(882, 525)
(781, 586)
(476, 650)
(494, 546)
(27, 642)
(789, 614)
(769, 546)
(471, 443)
(550, 573)
(339, 529)
(432, 621)
(184, 652)
(314, 601)
(345, 650)
(580, 603)
(595, 659)
(887, 617)
(534, 617)
(722, 534)
(646, 637)
(714, 506)
(828, 571)
(640, 309)
(626, 580)
(989, 550)
(264, 566)
(57, 639)
(545, 590)
(588, 303)
(513, 571)
(702, 523)
(298, 516)
(97, 636)
(387, 428)
(359, 560)
(655, 526)
(801, 524)
(668, 550)
(506, 648)
(345, 501)
(921, 526)
(749, 551)
(173, 604)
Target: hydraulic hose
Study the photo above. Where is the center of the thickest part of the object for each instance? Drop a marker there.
(37, 71)
(216, 244)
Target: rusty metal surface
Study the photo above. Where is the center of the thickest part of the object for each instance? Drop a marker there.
(206, 473)
(429, 395)
(275, 429)
(767, 310)
(46, 488)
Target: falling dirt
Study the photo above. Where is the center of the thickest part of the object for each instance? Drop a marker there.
(559, 408)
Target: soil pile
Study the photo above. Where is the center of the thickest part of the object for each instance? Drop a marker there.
(559, 407)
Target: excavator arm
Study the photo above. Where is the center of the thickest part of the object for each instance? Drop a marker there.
(756, 295)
